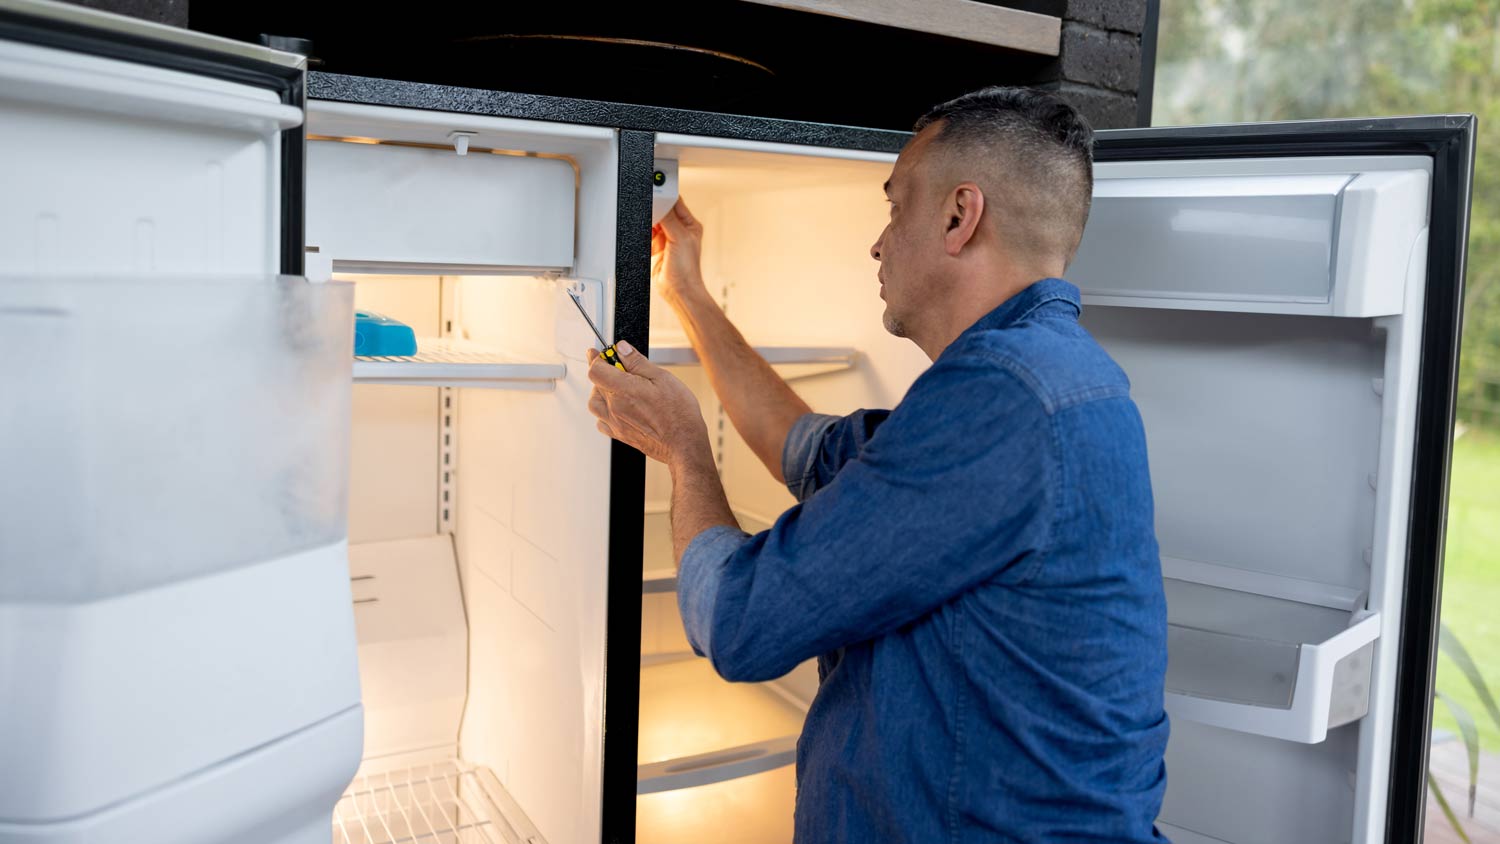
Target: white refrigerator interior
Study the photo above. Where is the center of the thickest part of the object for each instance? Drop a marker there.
(175, 661)
(478, 551)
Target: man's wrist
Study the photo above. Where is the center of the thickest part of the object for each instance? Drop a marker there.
(687, 294)
(694, 457)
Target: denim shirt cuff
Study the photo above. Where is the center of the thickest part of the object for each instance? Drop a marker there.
(800, 452)
(698, 580)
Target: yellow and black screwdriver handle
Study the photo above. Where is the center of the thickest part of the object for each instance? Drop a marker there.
(612, 357)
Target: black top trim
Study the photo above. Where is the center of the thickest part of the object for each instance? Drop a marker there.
(423, 95)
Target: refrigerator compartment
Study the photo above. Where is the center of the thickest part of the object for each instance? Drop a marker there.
(753, 810)
(1326, 243)
(136, 452)
(380, 207)
(442, 362)
(696, 729)
(450, 802)
(1265, 654)
(791, 362)
(659, 574)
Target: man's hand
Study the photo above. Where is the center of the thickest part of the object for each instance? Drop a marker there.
(647, 407)
(676, 255)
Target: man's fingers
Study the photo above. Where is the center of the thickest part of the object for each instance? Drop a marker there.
(681, 212)
(609, 379)
(635, 362)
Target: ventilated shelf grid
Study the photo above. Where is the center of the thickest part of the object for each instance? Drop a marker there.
(457, 363)
(443, 803)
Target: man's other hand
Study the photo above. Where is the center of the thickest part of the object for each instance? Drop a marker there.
(676, 254)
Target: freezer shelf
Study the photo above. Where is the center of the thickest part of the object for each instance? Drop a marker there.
(696, 729)
(444, 803)
(1264, 654)
(457, 363)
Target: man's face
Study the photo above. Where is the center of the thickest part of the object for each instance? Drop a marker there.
(909, 250)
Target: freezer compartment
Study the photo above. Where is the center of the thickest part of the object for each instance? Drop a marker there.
(167, 428)
(1263, 654)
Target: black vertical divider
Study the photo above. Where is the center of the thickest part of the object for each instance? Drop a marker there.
(627, 484)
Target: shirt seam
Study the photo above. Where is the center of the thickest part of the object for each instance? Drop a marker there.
(960, 718)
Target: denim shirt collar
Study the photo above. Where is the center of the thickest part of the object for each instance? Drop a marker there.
(1022, 305)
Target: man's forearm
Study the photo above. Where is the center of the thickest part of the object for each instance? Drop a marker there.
(698, 501)
(759, 402)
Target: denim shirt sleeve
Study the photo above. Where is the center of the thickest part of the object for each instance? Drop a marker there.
(819, 445)
(952, 492)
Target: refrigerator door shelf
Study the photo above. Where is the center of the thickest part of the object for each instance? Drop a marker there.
(1327, 244)
(1264, 654)
(458, 363)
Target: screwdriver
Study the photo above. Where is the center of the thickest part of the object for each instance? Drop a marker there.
(609, 354)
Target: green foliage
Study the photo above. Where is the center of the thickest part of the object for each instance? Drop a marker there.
(1249, 60)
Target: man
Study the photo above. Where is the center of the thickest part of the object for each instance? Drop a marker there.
(976, 570)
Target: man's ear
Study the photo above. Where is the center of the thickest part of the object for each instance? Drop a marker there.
(961, 213)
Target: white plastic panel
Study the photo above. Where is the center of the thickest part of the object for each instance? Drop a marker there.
(413, 643)
(378, 207)
(112, 167)
(1228, 786)
(393, 472)
(533, 546)
(1263, 433)
(1332, 243)
(108, 701)
(278, 792)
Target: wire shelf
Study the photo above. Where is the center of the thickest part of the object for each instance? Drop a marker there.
(443, 803)
(460, 363)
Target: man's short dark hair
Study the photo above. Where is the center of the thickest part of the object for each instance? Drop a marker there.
(1031, 153)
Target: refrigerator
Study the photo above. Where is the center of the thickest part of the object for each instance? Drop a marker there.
(253, 589)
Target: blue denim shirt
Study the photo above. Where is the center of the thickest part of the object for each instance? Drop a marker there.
(978, 574)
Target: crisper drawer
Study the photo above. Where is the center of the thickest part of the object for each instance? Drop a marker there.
(156, 430)
(1264, 654)
(392, 208)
